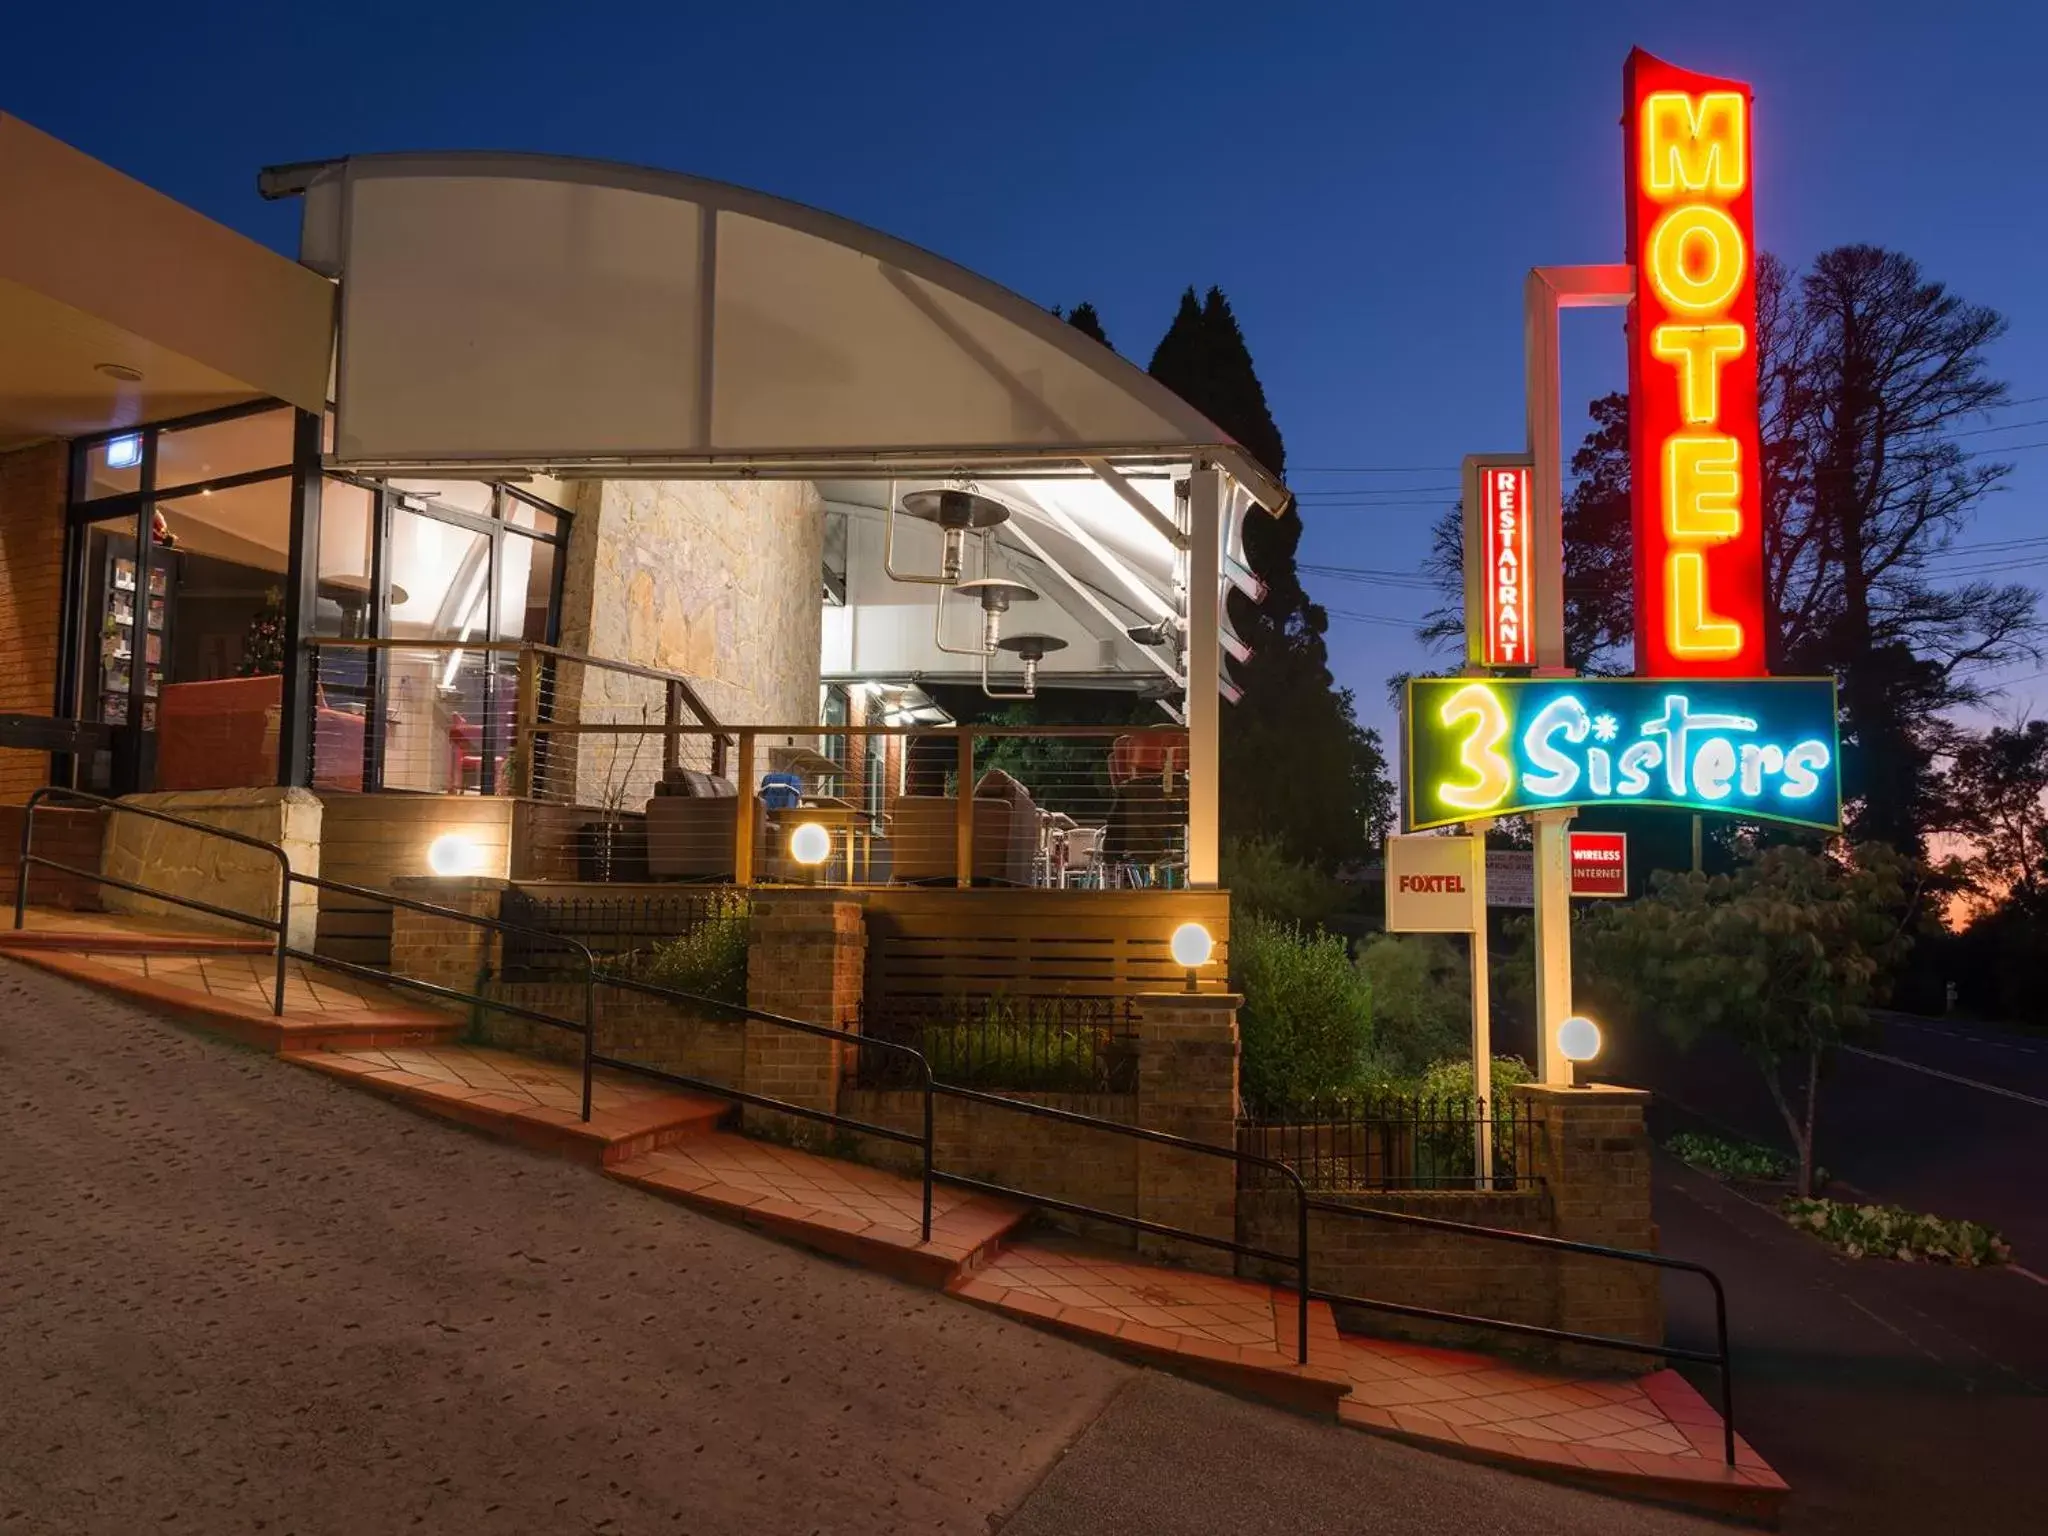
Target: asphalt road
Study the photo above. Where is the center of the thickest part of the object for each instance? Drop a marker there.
(240, 1297)
(1894, 1397)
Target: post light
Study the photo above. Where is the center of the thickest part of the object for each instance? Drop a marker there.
(810, 844)
(1578, 1040)
(453, 854)
(1191, 947)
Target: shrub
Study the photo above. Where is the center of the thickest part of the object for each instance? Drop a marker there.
(1307, 1017)
(1421, 1000)
(1018, 1043)
(1728, 1159)
(1449, 1081)
(1889, 1231)
(710, 960)
(1264, 882)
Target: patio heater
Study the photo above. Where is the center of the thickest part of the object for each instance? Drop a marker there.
(1029, 649)
(957, 513)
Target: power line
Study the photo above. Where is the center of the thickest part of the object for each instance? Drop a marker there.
(1451, 469)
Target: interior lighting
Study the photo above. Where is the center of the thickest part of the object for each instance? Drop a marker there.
(124, 452)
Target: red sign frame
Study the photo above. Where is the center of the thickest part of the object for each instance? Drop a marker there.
(1507, 585)
(1599, 863)
(1697, 480)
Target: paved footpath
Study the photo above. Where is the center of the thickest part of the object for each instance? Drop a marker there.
(237, 1296)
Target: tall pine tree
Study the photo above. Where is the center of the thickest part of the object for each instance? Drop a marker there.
(1296, 765)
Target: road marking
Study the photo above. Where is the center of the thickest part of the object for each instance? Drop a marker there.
(1950, 1034)
(1967, 1082)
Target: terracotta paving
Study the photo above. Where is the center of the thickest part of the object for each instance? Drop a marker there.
(231, 991)
(535, 1101)
(1239, 1331)
(845, 1208)
(1654, 1435)
(46, 926)
(1651, 1437)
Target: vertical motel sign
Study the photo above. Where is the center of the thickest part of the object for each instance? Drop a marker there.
(1500, 629)
(1692, 375)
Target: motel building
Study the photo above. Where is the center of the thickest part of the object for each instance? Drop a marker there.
(559, 524)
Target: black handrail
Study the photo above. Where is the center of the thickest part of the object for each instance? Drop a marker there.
(279, 927)
(275, 926)
(1718, 1358)
(588, 1028)
(1299, 1260)
(844, 1037)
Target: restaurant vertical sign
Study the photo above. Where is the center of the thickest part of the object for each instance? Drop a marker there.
(1499, 582)
(1697, 479)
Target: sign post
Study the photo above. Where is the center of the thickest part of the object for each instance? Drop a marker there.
(1438, 885)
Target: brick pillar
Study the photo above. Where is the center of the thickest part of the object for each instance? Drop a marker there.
(1593, 1152)
(32, 492)
(806, 958)
(1187, 1086)
(440, 949)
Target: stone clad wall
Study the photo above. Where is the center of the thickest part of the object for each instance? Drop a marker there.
(212, 869)
(715, 579)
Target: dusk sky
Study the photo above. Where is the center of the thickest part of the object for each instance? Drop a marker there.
(1368, 183)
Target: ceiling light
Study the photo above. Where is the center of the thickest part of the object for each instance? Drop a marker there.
(120, 371)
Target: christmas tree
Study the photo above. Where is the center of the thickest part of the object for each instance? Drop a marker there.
(263, 642)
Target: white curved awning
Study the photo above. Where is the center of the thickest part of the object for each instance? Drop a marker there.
(506, 312)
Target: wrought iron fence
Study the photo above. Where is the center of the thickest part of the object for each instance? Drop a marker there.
(1009, 1043)
(1396, 1142)
(626, 927)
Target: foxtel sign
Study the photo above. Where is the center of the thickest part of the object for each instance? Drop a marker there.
(1692, 375)
(1764, 748)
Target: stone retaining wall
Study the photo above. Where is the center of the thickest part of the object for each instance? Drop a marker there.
(212, 869)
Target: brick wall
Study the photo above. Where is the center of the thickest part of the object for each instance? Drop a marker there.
(1593, 1152)
(69, 836)
(1187, 1086)
(32, 492)
(806, 960)
(1412, 1266)
(1062, 1162)
(444, 950)
(667, 1036)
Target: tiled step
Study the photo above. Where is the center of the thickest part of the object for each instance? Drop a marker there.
(537, 1103)
(229, 991)
(855, 1212)
(1649, 1438)
(1238, 1334)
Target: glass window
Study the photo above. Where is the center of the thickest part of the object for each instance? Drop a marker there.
(438, 697)
(236, 446)
(524, 514)
(247, 525)
(472, 496)
(526, 588)
(348, 519)
(113, 468)
(438, 575)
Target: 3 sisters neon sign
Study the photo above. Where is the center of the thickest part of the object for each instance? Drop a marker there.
(1763, 748)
